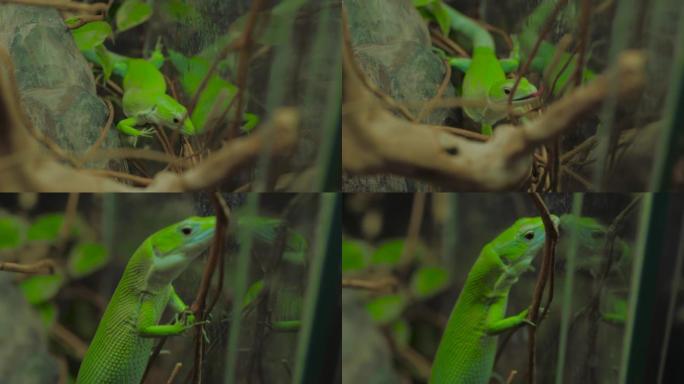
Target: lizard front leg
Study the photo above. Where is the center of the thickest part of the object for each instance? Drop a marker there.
(502, 325)
(127, 126)
(185, 321)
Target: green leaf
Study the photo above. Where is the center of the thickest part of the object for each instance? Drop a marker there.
(40, 288)
(71, 21)
(385, 309)
(87, 258)
(193, 70)
(422, 3)
(48, 314)
(354, 256)
(180, 11)
(46, 227)
(90, 35)
(132, 13)
(11, 232)
(442, 17)
(263, 228)
(252, 293)
(428, 281)
(388, 253)
(401, 332)
(250, 121)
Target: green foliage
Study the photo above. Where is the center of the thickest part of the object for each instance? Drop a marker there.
(87, 258)
(617, 310)
(354, 256)
(40, 288)
(387, 308)
(429, 280)
(266, 229)
(90, 35)
(46, 227)
(193, 70)
(11, 232)
(48, 313)
(401, 332)
(295, 248)
(180, 11)
(131, 14)
(252, 293)
(250, 121)
(388, 253)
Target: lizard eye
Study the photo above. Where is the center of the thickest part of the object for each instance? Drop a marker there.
(186, 230)
(507, 91)
(529, 235)
(176, 120)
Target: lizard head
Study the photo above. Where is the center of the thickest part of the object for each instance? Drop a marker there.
(525, 94)
(172, 114)
(176, 246)
(518, 245)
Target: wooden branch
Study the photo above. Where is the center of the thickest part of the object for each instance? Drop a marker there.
(26, 166)
(236, 154)
(545, 274)
(64, 5)
(375, 141)
(41, 267)
(384, 284)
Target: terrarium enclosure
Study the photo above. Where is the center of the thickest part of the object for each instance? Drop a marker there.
(265, 295)
(607, 306)
(169, 95)
(532, 95)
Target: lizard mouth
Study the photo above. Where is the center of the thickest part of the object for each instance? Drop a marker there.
(531, 96)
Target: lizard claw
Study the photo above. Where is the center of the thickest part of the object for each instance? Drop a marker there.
(146, 132)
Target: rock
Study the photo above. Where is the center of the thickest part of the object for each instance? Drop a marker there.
(24, 358)
(392, 45)
(55, 83)
(366, 356)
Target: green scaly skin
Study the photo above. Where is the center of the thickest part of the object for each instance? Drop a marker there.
(467, 349)
(145, 101)
(485, 79)
(119, 352)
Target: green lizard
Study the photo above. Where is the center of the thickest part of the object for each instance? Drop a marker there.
(485, 75)
(123, 341)
(466, 352)
(145, 101)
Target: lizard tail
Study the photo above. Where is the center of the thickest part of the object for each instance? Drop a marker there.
(462, 23)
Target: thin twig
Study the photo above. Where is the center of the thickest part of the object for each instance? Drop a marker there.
(63, 5)
(68, 339)
(69, 218)
(415, 222)
(585, 19)
(385, 284)
(243, 66)
(174, 373)
(120, 175)
(446, 80)
(103, 134)
(198, 305)
(545, 273)
(545, 31)
(40, 267)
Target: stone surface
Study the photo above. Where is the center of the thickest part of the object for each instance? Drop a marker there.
(392, 45)
(366, 356)
(24, 358)
(55, 82)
